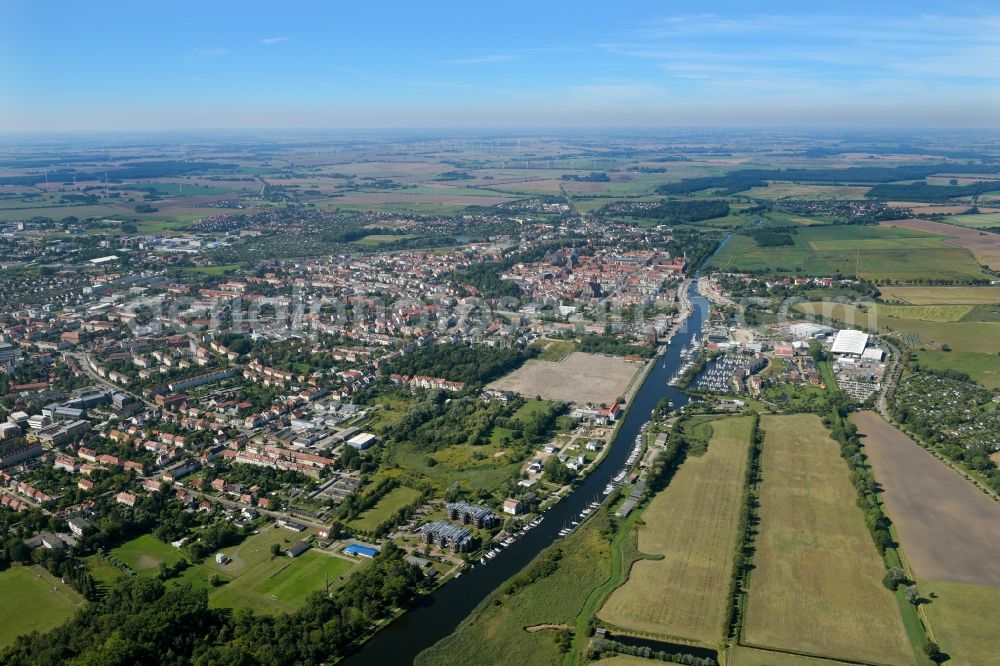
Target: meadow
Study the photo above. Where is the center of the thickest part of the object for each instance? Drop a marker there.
(963, 618)
(384, 509)
(554, 350)
(693, 525)
(517, 622)
(33, 600)
(982, 368)
(816, 584)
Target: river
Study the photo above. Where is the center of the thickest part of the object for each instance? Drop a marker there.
(439, 614)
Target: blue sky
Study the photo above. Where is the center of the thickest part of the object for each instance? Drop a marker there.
(219, 64)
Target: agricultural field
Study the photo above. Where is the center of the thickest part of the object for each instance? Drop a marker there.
(816, 584)
(968, 336)
(949, 530)
(34, 600)
(692, 524)
(579, 377)
(784, 190)
(950, 533)
(744, 656)
(874, 253)
(981, 221)
(941, 295)
(518, 623)
(384, 509)
(985, 246)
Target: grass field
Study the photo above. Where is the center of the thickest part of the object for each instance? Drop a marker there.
(816, 584)
(554, 350)
(874, 253)
(941, 295)
(389, 504)
(981, 221)
(982, 368)
(33, 600)
(692, 523)
(495, 633)
(254, 579)
(145, 554)
(281, 584)
(381, 239)
(963, 618)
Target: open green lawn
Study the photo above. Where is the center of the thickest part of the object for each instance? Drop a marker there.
(389, 504)
(874, 253)
(517, 625)
(964, 621)
(33, 600)
(145, 554)
(816, 583)
(212, 270)
(693, 525)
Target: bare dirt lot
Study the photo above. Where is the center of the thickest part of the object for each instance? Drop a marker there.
(581, 378)
(984, 246)
(949, 530)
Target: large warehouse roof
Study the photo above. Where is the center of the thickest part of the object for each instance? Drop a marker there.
(850, 342)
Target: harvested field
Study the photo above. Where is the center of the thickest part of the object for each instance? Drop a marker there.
(693, 524)
(949, 530)
(744, 656)
(816, 587)
(580, 377)
(942, 295)
(984, 246)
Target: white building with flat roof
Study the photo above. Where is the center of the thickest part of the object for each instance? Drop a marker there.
(850, 342)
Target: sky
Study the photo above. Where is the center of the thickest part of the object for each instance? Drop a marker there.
(115, 65)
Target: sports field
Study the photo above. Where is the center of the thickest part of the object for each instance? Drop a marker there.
(693, 525)
(33, 600)
(816, 584)
(265, 583)
(579, 377)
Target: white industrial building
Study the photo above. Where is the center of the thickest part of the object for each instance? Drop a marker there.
(850, 342)
(808, 330)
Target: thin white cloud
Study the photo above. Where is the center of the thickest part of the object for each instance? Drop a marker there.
(477, 60)
(207, 54)
(268, 41)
